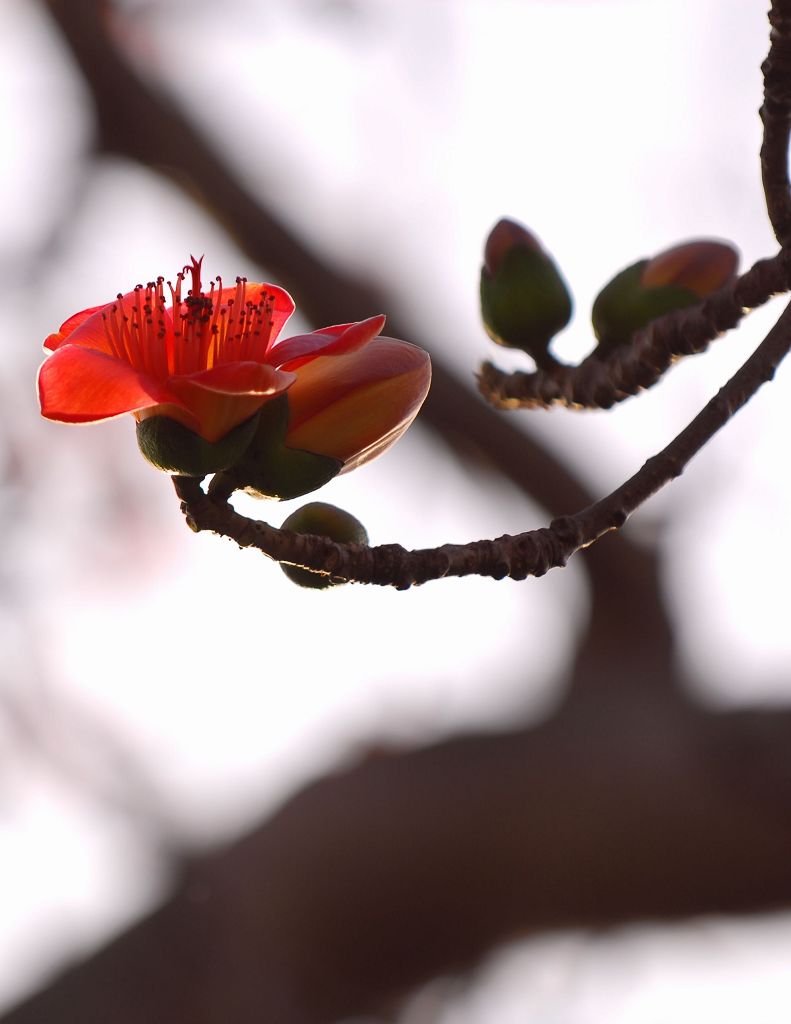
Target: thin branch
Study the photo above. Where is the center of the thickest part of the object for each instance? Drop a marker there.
(526, 554)
(601, 383)
(124, 102)
(622, 575)
(776, 117)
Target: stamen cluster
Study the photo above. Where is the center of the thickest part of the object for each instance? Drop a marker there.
(198, 332)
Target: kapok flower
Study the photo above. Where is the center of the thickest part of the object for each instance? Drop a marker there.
(211, 360)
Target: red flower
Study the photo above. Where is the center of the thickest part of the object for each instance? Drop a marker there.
(211, 360)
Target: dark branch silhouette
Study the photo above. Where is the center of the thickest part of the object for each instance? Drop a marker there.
(124, 102)
(776, 117)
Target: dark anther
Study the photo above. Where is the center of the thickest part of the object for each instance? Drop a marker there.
(199, 307)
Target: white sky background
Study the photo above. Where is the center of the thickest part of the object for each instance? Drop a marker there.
(396, 139)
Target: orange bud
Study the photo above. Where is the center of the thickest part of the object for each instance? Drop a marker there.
(674, 279)
(702, 266)
(352, 407)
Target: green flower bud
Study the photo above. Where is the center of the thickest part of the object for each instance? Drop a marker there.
(323, 520)
(269, 469)
(524, 300)
(172, 447)
(674, 279)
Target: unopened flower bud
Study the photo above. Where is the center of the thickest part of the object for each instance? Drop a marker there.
(172, 447)
(341, 412)
(674, 279)
(323, 520)
(271, 469)
(524, 300)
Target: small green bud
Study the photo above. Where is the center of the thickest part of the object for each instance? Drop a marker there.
(173, 448)
(269, 469)
(674, 279)
(524, 300)
(323, 520)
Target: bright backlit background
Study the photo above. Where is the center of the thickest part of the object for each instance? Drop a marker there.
(393, 134)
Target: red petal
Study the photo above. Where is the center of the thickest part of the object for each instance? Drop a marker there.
(300, 349)
(81, 385)
(243, 378)
(226, 395)
(353, 406)
(54, 341)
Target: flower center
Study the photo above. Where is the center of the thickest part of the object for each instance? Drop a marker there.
(196, 333)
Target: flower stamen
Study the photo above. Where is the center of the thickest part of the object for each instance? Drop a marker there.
(198, 333)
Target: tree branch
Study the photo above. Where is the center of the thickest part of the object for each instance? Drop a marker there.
(413, 864)
(125, 102)
(776, 117)
(464, 844)
(601, 383)
(525, 554)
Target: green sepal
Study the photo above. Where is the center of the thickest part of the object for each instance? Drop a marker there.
(323, 520)
(174, 448)
(624, 306)
(525, 302)
(268, 469)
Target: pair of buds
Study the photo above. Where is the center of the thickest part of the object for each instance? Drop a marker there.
(525, 301)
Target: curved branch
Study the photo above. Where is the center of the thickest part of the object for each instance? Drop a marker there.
(525, 554)
(601, 383)
(776, 117)
(124, 102)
